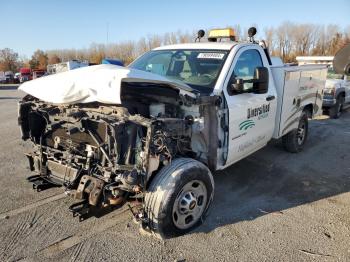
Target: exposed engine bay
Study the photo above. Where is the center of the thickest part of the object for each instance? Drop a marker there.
(104, 154)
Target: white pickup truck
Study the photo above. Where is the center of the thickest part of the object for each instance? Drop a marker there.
(336, 95)
(158, 129)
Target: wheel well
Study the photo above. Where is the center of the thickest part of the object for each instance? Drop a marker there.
(309, 109)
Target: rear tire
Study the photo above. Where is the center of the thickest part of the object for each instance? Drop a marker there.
(294, 141)
(178, 197)
(336, 110)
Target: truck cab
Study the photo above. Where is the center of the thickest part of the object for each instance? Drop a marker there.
(25, 75)
(260, 101)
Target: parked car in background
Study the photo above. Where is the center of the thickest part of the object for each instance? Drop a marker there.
(336, 94)
(66, 66)
(25, 75)
(337, 88)
(16, 78)
(2, 77)
(38, 73)
(110, 61)
(9, 77)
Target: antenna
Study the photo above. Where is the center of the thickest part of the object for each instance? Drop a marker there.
(107, 33)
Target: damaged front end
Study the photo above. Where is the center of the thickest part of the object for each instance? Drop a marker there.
(101, 153)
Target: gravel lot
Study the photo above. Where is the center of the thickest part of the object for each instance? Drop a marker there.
(272, 206)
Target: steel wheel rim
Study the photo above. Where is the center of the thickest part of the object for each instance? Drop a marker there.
(301, 134)
(189, 204)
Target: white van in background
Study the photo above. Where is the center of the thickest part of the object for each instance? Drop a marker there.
(66, 66)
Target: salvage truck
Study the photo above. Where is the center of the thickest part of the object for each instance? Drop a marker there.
(157, 130)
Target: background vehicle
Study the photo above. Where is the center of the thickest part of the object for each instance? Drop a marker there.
(66, 66)
(25, 75)
(16, 78)
(336, 93)
(157, 130)
(337, 89)
(2, 77)
(38, 73)
(112, 61)
(9, 77)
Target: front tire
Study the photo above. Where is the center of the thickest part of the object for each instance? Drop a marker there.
(178, 197)
(336, 110)
(294, 141)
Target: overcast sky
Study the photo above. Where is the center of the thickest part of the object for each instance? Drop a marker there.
(27, 25)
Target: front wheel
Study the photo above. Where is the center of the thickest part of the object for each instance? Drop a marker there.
(178, 197)
(336, 110)
(294, 141)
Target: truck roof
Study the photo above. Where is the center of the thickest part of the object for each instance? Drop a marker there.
(200, 45)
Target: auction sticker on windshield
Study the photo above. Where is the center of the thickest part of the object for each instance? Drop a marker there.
(211, 55)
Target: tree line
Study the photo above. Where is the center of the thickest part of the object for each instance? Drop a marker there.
(287, 41)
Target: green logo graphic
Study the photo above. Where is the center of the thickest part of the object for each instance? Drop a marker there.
(246, 124)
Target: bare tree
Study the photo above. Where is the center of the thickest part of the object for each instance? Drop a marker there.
(8, 60)
(269, 38)
(53, 59)
(286, 41)
(39, 60)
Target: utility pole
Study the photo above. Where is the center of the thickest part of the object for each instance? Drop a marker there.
(107, 33)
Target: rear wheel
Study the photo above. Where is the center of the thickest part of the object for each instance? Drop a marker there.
(336, 110)
(294, 141)
(178, 197)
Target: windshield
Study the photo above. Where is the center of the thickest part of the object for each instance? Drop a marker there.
(331, 74)
(197, 68)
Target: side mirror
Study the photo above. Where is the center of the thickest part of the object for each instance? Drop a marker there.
(235, 85)
(261, 80)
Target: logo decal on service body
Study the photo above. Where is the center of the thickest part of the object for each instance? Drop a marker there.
(260, 111)
(246, 124)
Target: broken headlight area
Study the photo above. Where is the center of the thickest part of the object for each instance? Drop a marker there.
(100, 153)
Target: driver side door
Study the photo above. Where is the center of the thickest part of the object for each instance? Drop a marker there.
(251, 115)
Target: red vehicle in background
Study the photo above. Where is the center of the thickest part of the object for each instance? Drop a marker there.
(25, 74)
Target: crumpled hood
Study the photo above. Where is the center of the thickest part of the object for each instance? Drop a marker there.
(100, 83)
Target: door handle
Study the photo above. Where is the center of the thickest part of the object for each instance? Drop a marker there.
(269, 98)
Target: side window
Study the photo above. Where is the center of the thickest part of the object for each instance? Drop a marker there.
(245, 66)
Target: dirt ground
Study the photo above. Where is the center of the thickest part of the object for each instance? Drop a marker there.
(272, 206)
